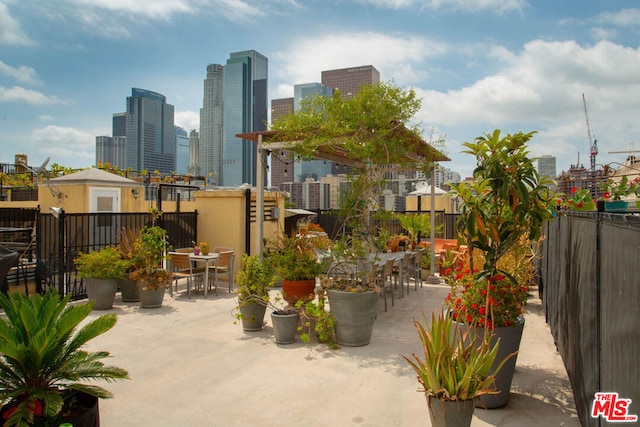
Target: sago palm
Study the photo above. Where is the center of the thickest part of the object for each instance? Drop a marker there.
(41, 355)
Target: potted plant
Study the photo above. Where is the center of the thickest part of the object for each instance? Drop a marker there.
(126, 246)
(615, 191)
(506, 200)
(453, 369)
(150, 251)
(296, 263)
(254, 279)
(579, 200)
(317, 321)
(284, 321)
(101, 270)
(43, 365)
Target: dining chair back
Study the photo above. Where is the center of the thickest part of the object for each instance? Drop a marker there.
(223, 270)
(386, 282)
(182, 268)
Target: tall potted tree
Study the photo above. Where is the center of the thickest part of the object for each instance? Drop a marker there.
(370, 130)
(43, 366)
(506, 200)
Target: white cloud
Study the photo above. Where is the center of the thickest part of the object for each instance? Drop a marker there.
(22, 73)
(620, 18)
(20, 94)
(155, 9)
(63, 143)
(187, 120)
(10, 30)
(499, 6)
(400, 56)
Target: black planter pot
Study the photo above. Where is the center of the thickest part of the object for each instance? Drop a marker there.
(89, 415)
(285, 327)
(450, 413)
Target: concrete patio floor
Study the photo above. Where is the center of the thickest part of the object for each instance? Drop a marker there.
(190, 365)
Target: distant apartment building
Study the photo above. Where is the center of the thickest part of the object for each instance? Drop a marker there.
(150, 133)
(245, 110)
(212, 124)
(309, 194)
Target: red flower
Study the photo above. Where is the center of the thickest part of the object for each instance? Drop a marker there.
(606, 195)
(573, 190)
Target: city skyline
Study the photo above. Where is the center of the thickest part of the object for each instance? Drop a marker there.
(509, 64)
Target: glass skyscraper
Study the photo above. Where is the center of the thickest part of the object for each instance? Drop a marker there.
(211, 124)
(245, 110)
(151, 142)
(182, 151)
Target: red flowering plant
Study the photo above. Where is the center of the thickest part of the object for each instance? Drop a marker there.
(579, 200)
(492, 302)
(617, 190)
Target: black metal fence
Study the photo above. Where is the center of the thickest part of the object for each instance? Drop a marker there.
(59, 240)
(589, 274)
(330, 221)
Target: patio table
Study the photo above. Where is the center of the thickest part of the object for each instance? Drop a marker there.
(210, 259)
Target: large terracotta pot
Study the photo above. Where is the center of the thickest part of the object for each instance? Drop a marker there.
(295, 290)
(102, 291)
(355, 313)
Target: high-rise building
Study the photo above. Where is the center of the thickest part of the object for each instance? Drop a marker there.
(194, 153)
(211, 124)
(349, 80)
(182, 151)
(110, 150)
(245, 110)
(547, 166)
(282, 164)
(119, 127)
(150, 132)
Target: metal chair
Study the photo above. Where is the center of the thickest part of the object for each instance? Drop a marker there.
(415, 268)
(181, 268)
(401, 273)
(223, 268)
(386, 282)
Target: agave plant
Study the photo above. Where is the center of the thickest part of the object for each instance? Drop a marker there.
(41, 356)
(455, 366)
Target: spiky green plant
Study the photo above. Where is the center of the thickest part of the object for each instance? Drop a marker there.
(455, 366)
(41, 355)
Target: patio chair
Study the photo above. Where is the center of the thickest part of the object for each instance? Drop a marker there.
(223, 268)
(182, 268)
(401, 273)
(8, 259)
(415, 268)
(386, 282)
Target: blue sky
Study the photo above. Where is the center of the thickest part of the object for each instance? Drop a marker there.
(67, 65)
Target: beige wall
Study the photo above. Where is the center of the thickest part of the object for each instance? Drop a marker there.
(442, 203)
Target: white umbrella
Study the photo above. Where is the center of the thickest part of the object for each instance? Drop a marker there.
(424, 189)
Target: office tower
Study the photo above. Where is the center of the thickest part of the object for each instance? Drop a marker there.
(119, 126)
(282, 164)
(349, 80)
(211, 124)
(194, 153)
(182, 151)
(547, 166)
(245, 110)
(315, 169)
(150, 133)
(110, 150)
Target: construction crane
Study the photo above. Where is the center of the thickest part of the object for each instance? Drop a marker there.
(593, 143)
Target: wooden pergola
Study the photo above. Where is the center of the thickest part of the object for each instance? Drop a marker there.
(268, 140)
